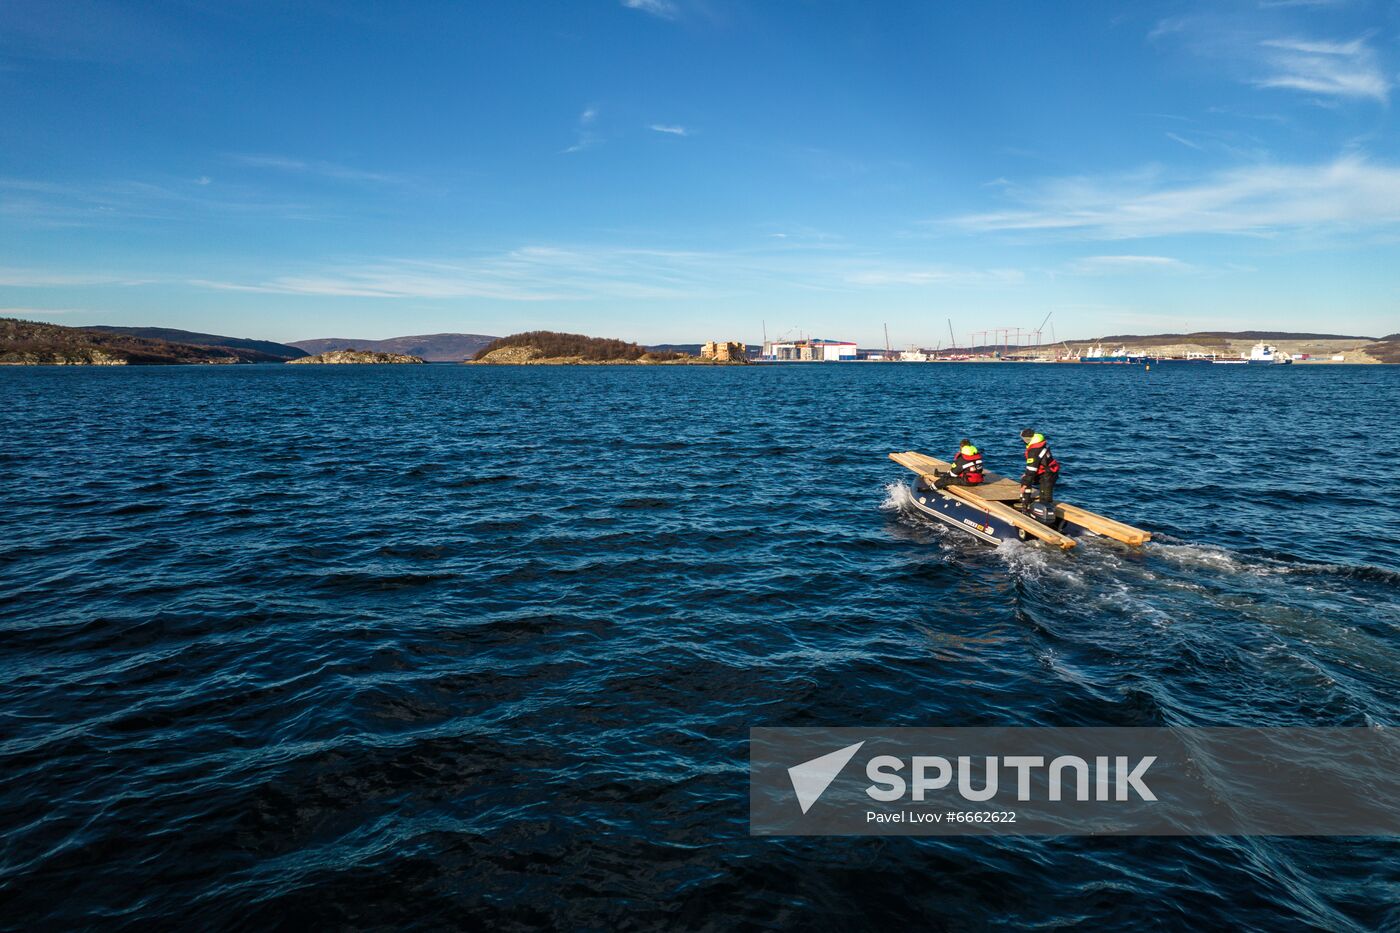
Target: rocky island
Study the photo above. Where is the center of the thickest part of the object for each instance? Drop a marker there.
(549, 348)
(32, 343)
(357, 356)
(432, 348)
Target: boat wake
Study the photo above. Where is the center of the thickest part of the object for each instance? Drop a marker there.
(1178, 553)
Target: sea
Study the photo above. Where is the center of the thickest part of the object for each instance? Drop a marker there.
(445, 646)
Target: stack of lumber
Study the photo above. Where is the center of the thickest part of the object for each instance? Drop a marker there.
(1101, 525)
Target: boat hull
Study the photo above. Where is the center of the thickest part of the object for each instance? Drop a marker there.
(969, 519)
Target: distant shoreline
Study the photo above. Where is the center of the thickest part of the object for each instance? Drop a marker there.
(670, 363)
(32, 343)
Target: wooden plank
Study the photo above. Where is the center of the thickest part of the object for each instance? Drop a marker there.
(1102, 525)
(994, 488)
(999, 489)
(920, 463)
(1009, 515)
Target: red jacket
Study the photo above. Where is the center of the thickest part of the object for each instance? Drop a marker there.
(1039, 460)
(968, 465)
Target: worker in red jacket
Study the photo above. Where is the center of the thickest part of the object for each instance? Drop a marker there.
(966, 469)
(1042, 469)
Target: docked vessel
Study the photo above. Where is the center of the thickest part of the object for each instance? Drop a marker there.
(1188, 358)
(992, 511)
(1267, 353)
(1095, 354)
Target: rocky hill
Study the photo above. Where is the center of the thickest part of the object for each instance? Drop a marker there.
(36, 343)
(1387, 349)
(435, 348)
(550, 347)
(357, 356)
(1225, 336)
(1355, 349)
(172, 335)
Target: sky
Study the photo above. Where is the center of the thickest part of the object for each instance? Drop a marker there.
(687, 170)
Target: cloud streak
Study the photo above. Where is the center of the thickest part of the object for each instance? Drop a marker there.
(1323, 68)
(1186, 142)
(586, 137)
(1117, 265)
(883, 275)
(536, 273)
(1333, 69)
(670, 129)
(48, 278)
(125, 201)
(665, 9)
(1261, 200)
(295, 166)
(547, 273)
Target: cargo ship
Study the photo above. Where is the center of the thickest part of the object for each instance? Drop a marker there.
(1095, 354)
(1267, 353)
(1188, 358)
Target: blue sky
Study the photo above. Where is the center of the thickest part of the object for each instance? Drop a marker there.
(681, 170)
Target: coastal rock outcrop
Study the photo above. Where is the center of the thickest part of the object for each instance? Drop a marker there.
(533, 356)
(548, 348)
(357, 356)
(35, 343)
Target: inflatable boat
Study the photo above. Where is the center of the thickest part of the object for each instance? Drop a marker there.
(992, 511)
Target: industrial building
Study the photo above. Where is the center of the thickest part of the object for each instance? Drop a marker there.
(725, 351)
(808, 351)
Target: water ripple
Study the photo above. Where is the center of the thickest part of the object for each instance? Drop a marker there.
(447, 646)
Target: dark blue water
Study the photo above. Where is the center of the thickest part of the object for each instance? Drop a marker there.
(443, 646)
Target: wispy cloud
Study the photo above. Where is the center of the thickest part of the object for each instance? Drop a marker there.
(1274, 4)
(1348, 193)
(123, 201)
(1174, 137)
(1338, 69)
(295, 166)
(666, 9)
(884, 274)
(1111, 265)
(586, 137)
(1168, 26)
(670, 128)
(535, 273)
(14, 277)
(549, 273)
(1325, 68)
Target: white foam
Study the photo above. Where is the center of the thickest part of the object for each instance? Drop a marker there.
(898, 498)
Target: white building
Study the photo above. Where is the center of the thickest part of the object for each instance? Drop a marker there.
(836, 351)
(808, 351)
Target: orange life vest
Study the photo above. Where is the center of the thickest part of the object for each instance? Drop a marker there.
(1039, 459)
(968, 465)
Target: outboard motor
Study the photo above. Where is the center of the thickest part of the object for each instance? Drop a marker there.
(1043, 513)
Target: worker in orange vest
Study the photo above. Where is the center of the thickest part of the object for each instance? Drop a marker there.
(966, 469)
(1042, 469)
